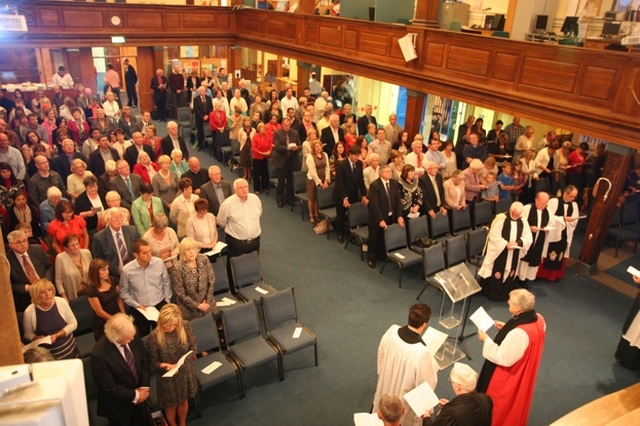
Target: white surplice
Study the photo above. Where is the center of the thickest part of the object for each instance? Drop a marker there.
(402, 367)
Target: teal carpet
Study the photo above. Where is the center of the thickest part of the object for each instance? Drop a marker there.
(349, 306)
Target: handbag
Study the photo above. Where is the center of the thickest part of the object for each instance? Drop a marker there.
(424, 242)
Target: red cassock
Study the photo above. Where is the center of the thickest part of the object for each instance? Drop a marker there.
(511, 388)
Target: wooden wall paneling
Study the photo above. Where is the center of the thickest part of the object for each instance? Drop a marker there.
(415, 107)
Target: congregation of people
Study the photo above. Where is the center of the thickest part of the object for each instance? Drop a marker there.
(94, 203)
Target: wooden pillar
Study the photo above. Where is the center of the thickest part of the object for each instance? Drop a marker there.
(307, 7)
(616, 168)
(11, 352)
(147, 65)
(87, 69)
(303, 77)
(415, 108)
(427, 12)
(234, 63)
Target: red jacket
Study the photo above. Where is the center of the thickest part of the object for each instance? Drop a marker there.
(216, 121)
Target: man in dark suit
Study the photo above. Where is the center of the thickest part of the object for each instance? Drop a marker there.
(216, 190)
(332, 134)
(173, 141)
(131, 81)
(113, 243)
(28, 263)
(121, 371)
(433, 190)
(468, 407)
(131, 153)
(141, 126)
(126, 184)
(159, 86)
(202, 107)
(349, 188)
(62, 162)
(101, 155)
(365, 120)
(197, 174)
(286, 143)
(385, 208)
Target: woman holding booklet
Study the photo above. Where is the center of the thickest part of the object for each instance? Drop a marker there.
(167, 344)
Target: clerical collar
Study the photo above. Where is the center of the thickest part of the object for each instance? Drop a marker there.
(409, 336)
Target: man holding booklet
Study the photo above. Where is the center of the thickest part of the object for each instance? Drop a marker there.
(405, 362)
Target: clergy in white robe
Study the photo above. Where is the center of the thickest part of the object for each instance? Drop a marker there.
(565, 209)
(541, 221)
(508, 240)
(404, 362)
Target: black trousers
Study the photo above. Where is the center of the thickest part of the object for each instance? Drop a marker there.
(200, 128)
(160, 99)
(236, 247)
(260, 175)
(376, 240)
(132, 95)
(139, 417)
(284, 189)
(141, 322)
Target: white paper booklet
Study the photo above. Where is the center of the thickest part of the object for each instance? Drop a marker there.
(173, 371)
(633, 271)
(481, 319)
(421, 399)
(151, 313)
(46, 340)
(217, 249)
(367, 419)
(226, 302)
(211, 367)
(434, 339)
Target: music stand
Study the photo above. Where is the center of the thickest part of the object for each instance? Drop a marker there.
(458, 284)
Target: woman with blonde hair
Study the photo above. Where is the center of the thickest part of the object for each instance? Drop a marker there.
(145, 168)
(49, 315)
(172, 338)
(75, 184)
(193, 281)
(103, 294)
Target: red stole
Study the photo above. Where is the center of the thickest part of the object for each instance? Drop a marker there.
(511, 388)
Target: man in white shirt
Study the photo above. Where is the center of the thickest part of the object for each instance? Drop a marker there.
(144, 283)
(62, 78)
(239, 215)
(288, 102)
(404, 361)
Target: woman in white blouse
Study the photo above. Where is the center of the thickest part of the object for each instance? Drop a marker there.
(238, 102)
(111, 108)
(72, 268)
(202, 226)
(372, 171)
(163, 240)
(182, 207)
(79, 171)
(450, 160)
